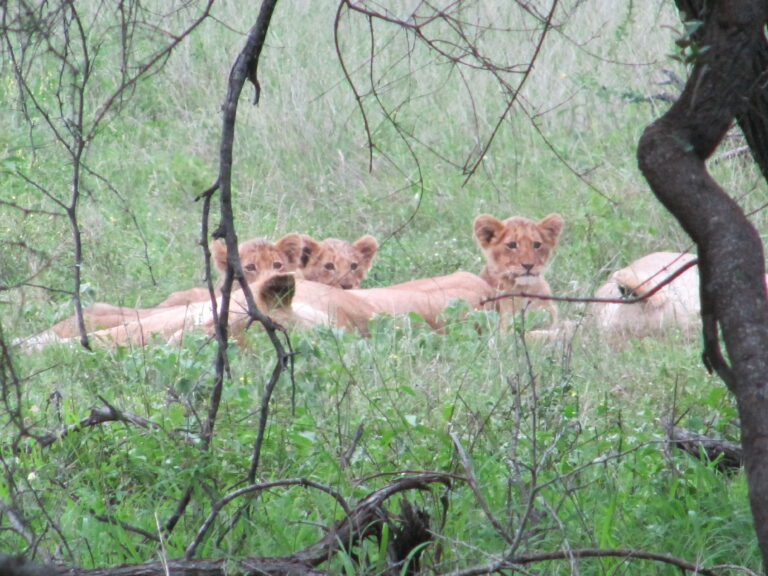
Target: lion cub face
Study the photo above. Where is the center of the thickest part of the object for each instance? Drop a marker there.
(260, 257)
(516, 250)
(337, 262)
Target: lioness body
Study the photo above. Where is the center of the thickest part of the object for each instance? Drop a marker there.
(137, 326)
(259, 258)
(675, 305)
(427, 297)
(289, 300)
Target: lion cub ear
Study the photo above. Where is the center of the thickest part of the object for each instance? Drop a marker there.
(309, 248)
(365, 247)
(277, 291)
(486, 228)
(291, 246)
(552, 225)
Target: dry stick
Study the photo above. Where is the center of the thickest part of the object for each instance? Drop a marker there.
(361, 521)
(359, 101)
(533, 469)
(358, 97)
(244, 69)
(472, 481)
(98, 415)
(417, 28)
(516, 92)
(513, 562)
(76, 126)
(18, 525)
(219, 505)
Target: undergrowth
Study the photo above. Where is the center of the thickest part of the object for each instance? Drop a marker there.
(552, 445)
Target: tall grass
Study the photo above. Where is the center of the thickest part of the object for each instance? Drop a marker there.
(566, 440)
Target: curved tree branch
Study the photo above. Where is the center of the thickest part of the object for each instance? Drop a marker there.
(672, 154)
(362, 521)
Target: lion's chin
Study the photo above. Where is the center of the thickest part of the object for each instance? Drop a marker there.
(525, 280)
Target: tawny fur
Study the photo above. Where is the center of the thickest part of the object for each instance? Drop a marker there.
(674, 306)
(258, 258)
(337, 262)
(272, 295)
(288, 299)
(427, 297)
(517, 251)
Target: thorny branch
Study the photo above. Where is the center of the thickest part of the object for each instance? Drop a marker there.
(634, 300)
(57, 31)
(459, 47)
(244, 68)
(358, 523)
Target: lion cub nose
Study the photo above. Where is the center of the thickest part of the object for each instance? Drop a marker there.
(528, 268)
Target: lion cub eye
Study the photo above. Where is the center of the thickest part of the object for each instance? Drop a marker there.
(329, 266)
(536, 245)
(250, 267)
(512, 245)
(353, 266)
(277, 265)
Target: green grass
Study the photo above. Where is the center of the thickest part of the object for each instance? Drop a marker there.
(565, 439)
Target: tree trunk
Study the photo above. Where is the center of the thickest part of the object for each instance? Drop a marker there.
(671, 154)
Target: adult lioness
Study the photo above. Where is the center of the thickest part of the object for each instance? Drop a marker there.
(675, 305)
(272, 296)
(427, 297)
(516, 252)
(337, 262)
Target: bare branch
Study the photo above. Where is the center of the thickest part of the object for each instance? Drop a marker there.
(526, 559)
(219, 505)
(98, 415)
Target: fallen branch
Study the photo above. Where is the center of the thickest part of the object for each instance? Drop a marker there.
(526, 559)
(363, 521)
(668, 280)
(98, 415)
(727, 456)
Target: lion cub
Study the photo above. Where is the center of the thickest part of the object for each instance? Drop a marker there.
(258, 258)
(337, 262)
(516, 253)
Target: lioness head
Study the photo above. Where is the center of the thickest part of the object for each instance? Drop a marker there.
(260, 257)
(517, 249)
(636, 309)
(337, 262)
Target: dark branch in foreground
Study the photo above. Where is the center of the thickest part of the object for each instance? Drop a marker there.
(244, 68)
(668, 280)
(98, 415)
(727, 456)
(364, 521)
(584, 553)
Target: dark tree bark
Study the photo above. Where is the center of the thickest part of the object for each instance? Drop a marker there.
(753, 120)
(727, 76)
